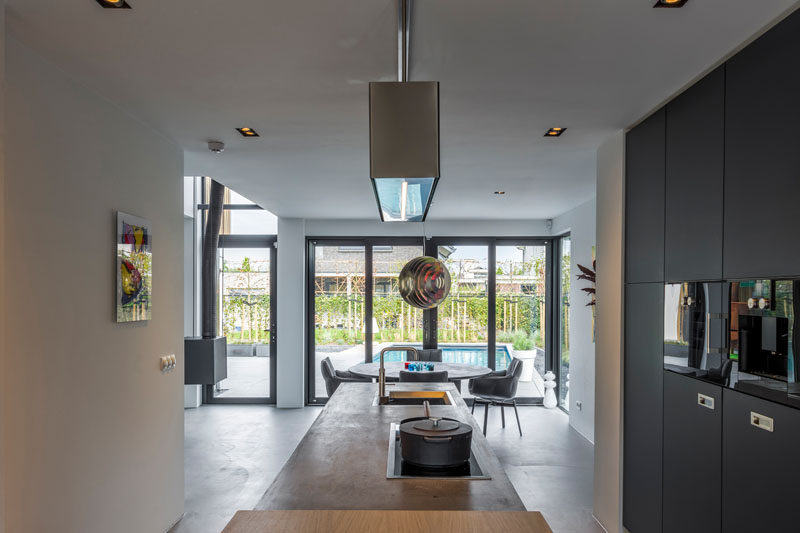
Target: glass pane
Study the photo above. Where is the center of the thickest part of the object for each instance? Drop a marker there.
(563, 322)
(521, 313)
(403, 199)
(463, 318)
(244, 313)
(248, 222)
(394, 322)
(338, 308)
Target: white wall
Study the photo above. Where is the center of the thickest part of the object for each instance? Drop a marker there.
(439, 228)
(291, 313)
(2, 255)
(608, 371)
(580, 223)
(94, 439)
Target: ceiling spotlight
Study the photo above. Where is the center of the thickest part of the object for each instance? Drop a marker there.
(670, 3)
(499, 192)
(112, 4)
(247, 132)
(555, 132)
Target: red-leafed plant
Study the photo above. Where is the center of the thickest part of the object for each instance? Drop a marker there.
(589, 274)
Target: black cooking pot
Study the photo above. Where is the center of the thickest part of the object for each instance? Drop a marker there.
(432, 442)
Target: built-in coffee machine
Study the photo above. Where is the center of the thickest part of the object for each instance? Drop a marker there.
(738, 334)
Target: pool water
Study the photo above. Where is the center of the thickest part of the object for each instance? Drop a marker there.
(470, 355)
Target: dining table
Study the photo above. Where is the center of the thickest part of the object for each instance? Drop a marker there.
(455, 371)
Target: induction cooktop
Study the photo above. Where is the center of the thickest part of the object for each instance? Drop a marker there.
(396, 468)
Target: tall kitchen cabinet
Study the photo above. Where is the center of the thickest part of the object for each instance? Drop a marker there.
(695, 135)
(761, 443)
(692, 455)
(642, 433)
(762, 156)
(644, 200)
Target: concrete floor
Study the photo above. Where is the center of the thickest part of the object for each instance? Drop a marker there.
(234, 452)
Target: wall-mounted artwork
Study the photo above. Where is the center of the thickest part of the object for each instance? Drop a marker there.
(134, 268)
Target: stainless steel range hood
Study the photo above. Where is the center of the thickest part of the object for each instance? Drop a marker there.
(404, 137)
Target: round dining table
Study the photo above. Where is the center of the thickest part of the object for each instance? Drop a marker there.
(455, 371)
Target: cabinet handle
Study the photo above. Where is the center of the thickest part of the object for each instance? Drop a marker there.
(705, 401)
(761, 422)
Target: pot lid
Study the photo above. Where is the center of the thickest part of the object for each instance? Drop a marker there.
(437, 424)
(435, 427)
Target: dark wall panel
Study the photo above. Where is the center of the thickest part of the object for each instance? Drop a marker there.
(644, 201)
(762, 156)
(694, 181)
(643, 367)
(760, 468)
(692, 455)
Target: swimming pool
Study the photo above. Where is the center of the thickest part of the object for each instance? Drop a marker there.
(471, 355)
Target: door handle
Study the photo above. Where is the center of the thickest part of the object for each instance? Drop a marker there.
(762, 422)
(705, 401)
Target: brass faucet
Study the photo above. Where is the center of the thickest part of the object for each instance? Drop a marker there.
(383, 399)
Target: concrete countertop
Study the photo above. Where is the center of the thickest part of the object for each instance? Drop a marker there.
(341, 461)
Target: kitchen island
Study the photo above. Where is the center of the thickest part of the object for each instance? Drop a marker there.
(341, 461)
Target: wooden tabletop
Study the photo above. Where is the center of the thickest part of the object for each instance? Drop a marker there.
(387, 522)
(341, 462)
(455, 371)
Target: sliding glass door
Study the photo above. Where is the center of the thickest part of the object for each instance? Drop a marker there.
(499, 306)
(339, 314)
(394, 322)
(355, 308)
(521, 285)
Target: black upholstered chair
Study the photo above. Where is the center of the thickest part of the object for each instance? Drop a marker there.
(721, 374)
(333, 378)
(423, 376)
(498, 388)
(434, 355)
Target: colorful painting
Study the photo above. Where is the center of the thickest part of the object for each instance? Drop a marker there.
(134, 268)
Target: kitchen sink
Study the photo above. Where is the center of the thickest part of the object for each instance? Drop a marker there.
(417, 397)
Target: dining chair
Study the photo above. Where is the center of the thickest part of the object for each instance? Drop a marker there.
(498, 388)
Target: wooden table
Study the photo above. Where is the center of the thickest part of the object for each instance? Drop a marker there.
(387, 522)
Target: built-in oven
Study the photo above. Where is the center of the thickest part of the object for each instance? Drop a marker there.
(738, 334)
(695, 330)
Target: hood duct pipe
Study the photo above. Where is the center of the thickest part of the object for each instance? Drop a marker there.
(210, 247)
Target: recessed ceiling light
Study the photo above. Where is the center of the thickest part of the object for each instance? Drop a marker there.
(499, 192)
(670, 3)
(555, 132)
(247, 132)
(114, 4)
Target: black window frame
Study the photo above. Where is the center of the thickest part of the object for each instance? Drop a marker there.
(430, 248)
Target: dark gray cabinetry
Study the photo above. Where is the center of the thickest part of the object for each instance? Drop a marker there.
(761, 468)
(695, 153)
(692, 455)
(644, 200)
(762, 156)
(644, 326)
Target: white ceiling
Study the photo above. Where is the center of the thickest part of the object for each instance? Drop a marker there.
(297, 72)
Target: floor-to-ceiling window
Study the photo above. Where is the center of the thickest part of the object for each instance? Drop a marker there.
(564, 265)
(339, 293)
(521, 325)
(394, 322)
(246, 316)
(498, 307)
(246, 297)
